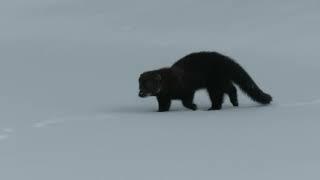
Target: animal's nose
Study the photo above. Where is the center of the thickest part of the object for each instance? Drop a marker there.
(141, 94)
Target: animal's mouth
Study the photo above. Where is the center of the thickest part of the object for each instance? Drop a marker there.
(146, 94)
(158, 91)
(143, 95)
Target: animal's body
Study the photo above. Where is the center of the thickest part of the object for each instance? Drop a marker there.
(204, 70)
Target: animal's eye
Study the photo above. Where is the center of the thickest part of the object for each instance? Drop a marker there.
(150, 84)
(155, 83)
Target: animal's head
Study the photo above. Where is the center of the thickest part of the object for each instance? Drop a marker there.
(150, 84)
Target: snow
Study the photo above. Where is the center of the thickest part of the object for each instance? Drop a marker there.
(69, 106)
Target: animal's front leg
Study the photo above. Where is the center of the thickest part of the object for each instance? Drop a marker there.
(164, 103)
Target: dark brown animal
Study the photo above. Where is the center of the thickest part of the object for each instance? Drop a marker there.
(204, 70)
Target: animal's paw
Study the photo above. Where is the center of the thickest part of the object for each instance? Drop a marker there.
(235, 103)
(163, 110)
(214, 108)
(194, 107)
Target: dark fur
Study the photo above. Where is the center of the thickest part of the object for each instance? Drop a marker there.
(204, 70)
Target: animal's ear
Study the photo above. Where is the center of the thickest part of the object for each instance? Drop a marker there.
(158, 77)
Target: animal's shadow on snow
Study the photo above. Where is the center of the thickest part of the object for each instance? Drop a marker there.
(143, 109)
(131, 109)
(140, 109)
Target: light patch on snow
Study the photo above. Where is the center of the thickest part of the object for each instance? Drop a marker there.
(60, 120)
(8, 130)
(298, 104)
(4, 133)
(50, 122)
(3, 137)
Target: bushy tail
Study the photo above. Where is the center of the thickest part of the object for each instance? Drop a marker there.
(246, 83)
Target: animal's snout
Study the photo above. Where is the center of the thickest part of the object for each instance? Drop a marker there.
(142, 94)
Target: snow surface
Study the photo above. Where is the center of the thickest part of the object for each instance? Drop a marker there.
(68, 99)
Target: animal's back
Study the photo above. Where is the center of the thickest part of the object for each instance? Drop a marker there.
(204, 63)
(205, 67)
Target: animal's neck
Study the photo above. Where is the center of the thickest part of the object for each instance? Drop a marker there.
(175, 79)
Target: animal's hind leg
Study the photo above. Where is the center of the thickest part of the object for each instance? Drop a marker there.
(232, 93)
(216, 97)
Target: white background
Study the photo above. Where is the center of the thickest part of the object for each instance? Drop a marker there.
(69, 108)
